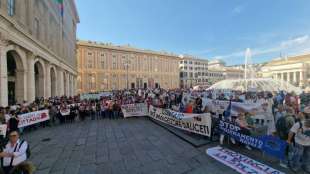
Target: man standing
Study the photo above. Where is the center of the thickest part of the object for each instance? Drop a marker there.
(14, 152)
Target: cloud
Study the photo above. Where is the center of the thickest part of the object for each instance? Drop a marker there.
(292, 46)
(238, 9)
(298, 40)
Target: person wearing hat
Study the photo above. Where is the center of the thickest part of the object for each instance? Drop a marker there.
(300, 136)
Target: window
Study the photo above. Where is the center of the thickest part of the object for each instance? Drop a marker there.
(102, 64)
(190, 62)
(185, 74)
(11, 7)
(90, 63)
(89, 53)
(113, 64)
(191, 74)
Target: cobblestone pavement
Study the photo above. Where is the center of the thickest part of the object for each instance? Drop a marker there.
(134, 145)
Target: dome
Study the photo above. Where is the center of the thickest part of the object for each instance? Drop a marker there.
(255, 85)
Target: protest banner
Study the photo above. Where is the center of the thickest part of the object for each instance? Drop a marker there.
(218, 106)
(197, 123)
(95, 96)
(239, 162)
(65, 112)
(3, 128)
(32, 118)
(134, 110)
(270, 144)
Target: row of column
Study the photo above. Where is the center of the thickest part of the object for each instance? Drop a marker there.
(295, 77)
(49, 80)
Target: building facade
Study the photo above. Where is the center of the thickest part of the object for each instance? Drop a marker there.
(37, 49)
(294, 70)
(219, 71)
(106, 67)
(193, 71)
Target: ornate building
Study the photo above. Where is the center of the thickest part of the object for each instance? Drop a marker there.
(193, 71)
(294, 70)
(107, 67)
(37, 49)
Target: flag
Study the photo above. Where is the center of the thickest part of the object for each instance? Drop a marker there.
(60, 4)
(227, 112)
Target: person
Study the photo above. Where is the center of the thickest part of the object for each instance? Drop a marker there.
(279, 113)
(13, 122)
(53, 113)
(300, 136)
(14, 152)
(242, 121)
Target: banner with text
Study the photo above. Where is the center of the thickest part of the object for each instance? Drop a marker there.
(195, 123)
(218, 106)
(134, 110)
(270, 144)
(239, 162)
(95, 96)
(33, 118)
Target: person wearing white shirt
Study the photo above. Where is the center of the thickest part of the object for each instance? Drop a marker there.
(14, 152)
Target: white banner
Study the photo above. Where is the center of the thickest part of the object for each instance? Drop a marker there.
(65, 112)
(219, 106)
(134, 110)
(3, 128)
(95, 96)
(32, 118)
(239, 162)
(195, 123)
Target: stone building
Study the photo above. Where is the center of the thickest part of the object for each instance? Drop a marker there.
(107, 67)
(37, 49)
(193, 71)
(294, 70)
(219, 71)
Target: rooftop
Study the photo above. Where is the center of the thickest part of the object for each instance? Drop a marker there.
(290, 60)
(124, 48)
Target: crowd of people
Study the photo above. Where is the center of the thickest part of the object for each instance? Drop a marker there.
(288, 116)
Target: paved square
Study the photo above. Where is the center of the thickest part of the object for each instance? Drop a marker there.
(134, 145)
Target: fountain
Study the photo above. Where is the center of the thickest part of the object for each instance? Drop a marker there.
(251, 83)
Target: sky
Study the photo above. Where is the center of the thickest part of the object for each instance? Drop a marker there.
(209, 29)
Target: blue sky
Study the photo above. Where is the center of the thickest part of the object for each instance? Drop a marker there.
(205, 28)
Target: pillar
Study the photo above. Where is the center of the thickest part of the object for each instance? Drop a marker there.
(295, 77)
(67, 84)
(21, 86)
(3, 77)
(70, 85)
(60, 86)
(74, 86)
(48, 84)
(301, 84)
(30, 78)
(282, 76)
(288, 77)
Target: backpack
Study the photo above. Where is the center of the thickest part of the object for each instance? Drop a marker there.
(307, 132)
(28, 153)
(282, 127)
